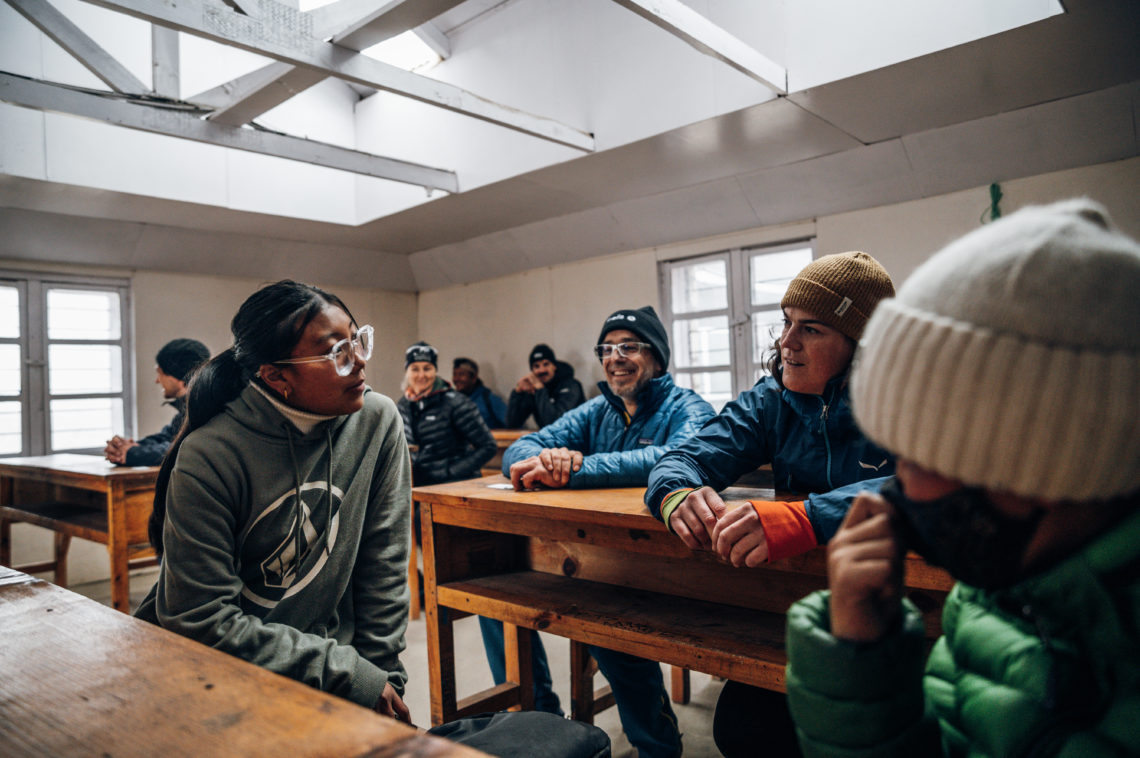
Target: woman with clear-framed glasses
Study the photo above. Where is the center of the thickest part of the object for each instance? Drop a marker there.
(281, 510)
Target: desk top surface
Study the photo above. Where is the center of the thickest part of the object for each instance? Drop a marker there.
(70, 464)
(624, 503)
(81, 678)
(504, 437)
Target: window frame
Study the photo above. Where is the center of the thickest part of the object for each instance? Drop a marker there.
(35, 391)
(743, 370)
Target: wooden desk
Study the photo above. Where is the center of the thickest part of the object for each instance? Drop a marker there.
(83, 496)
(81, 679)
(503, 440)
(596, 567)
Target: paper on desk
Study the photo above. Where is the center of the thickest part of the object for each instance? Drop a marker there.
(501, 486)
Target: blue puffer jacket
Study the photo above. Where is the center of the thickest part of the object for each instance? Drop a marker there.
(619, 452)
(811, 441)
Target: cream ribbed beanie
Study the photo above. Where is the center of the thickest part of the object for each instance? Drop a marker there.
(1011, 359)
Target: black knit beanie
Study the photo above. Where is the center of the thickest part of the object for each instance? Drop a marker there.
(644, 323)
(179, 358)
(540, 352)
(421, 351)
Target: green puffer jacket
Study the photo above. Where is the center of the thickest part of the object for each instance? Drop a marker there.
(1049, 667)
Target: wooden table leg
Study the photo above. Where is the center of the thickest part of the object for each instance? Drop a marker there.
(440, 635)
(517, 652)
(414, 571)
(5, 525)
(680, 684)
(118, 548)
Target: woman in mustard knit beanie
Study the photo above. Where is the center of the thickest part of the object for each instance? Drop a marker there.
(798, 420)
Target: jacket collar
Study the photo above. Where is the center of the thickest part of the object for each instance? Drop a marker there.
(648, 400)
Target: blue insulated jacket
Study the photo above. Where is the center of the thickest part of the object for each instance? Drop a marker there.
(811, 441)
(619, 452)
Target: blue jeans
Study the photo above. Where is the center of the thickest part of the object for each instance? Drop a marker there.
(643, 705)
(544, 697)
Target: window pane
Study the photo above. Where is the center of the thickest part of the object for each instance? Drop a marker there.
(85, 369)
(85, 423)
(83, 315)
(701, 342)
(771, 273)
(713, 386)
(9, 312)
(700, 287)
(11, 437)
(10, 370)
(766, 327)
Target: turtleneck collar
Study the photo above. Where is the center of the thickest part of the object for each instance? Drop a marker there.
(300, 419)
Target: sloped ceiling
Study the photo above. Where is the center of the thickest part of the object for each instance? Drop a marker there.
(1055, 94)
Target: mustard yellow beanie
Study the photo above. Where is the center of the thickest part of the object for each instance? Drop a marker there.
(840, 290)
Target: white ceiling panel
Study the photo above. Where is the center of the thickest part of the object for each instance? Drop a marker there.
(1078, 131)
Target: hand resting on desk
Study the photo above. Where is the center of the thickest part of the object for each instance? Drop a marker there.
(551, 468)
(390, 704)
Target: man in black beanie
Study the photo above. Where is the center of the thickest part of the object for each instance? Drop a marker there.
(613, 441)
(548, 391)
(174, 365)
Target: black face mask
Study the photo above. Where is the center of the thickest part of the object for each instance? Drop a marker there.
(963, 533)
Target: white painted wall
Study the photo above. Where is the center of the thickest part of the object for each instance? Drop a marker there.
(497, 321)
(166, 306)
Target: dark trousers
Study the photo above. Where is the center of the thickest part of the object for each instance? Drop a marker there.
(751, 722)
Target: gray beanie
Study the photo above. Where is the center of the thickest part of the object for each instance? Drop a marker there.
(1011, 359)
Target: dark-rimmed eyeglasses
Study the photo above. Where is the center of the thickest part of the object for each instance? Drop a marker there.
(344, 353)
(624, 349)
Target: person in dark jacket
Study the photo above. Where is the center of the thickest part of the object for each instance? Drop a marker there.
(465, 378)
(548, 391)
(174, 365)
(798, 420)
(450, 440)
(613, 441)
(1004, 376)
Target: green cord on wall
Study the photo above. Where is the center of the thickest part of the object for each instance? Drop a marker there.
(994, 210)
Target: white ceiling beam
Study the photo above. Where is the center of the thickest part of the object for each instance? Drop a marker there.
(241, 100)
(164, 62)
(391, 18)
(683, 22)
(76, 42)
(30, 93)
(431, 36)
(293, 42)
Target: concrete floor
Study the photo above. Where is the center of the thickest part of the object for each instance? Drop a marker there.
(472, 675)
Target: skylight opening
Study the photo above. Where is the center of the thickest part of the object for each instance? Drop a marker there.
(407, 51)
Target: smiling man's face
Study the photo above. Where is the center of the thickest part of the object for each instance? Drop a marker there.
(626, 376)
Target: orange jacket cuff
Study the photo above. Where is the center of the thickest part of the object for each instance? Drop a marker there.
(786, 526)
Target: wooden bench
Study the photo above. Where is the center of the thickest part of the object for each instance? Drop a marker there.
(594, 566)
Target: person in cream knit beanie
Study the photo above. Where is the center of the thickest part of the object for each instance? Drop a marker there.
(1011, 359)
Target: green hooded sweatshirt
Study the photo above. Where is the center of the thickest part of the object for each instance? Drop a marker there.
(264, 560)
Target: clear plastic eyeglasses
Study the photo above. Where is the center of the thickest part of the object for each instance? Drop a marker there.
(343, 354)
(624, 349)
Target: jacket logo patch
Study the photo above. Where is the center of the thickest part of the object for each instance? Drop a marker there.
(645, 441)
(872, 467)
(429, 418)
(563, 391)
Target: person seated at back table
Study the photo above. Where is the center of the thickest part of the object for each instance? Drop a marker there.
(451, 440)
(798, 420)
(613, 441)
(1004, 376)
(174, 365)
(465, 379)
(548, 391)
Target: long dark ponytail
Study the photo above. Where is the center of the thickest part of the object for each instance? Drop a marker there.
(266, 328)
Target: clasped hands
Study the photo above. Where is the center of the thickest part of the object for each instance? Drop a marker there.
(117, 447)
(551, 468)
(704, 521)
